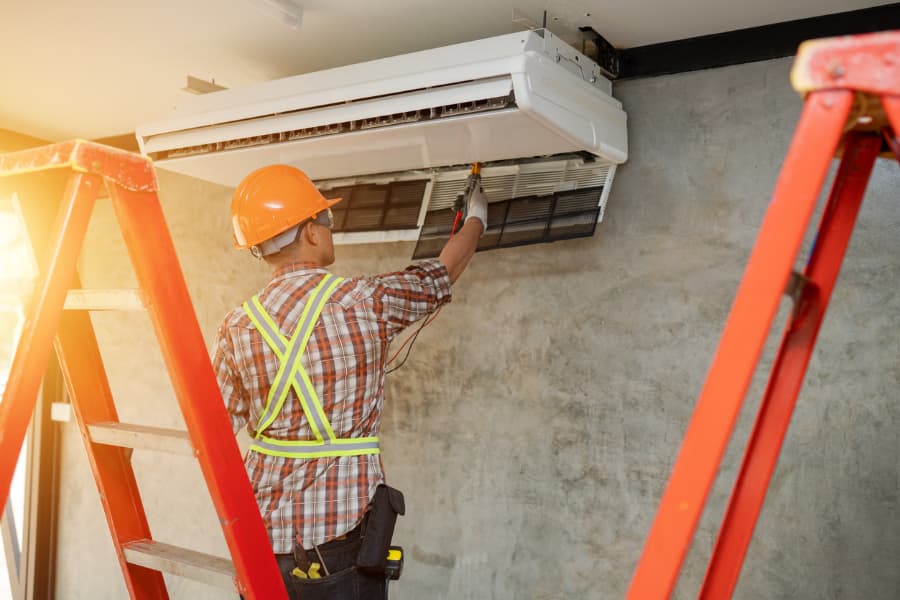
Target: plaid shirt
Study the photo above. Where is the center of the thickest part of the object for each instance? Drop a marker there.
(323, 498)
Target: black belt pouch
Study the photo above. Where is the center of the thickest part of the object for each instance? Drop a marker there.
(379, 529)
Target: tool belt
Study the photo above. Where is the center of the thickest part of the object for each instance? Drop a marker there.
(378, 529)
(372, 538)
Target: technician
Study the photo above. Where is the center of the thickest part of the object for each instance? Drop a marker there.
(302, 365)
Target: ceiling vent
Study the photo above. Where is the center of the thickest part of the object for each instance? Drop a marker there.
(529, 202)
(395, 136)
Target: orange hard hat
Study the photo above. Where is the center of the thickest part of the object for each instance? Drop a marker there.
(271, 200)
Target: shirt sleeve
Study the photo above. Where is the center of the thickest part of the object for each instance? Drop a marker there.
(233, 392)
(407, 296)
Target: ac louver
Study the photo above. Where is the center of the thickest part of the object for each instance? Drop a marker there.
(520, 222)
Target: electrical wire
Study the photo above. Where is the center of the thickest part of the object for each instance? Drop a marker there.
(428, 319)
(411, 341)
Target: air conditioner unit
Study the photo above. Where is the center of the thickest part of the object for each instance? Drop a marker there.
(396, 136)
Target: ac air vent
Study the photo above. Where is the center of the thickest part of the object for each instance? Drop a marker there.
(521, 221)
(526, 180)
(374, 207)
(444, 111)
(395, 206)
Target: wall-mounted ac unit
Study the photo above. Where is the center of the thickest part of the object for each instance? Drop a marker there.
(404, 129)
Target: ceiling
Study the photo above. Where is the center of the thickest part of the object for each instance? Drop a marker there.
(98, 68)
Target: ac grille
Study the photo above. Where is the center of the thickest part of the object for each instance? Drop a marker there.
(425, 114)
(521, 221)
(517, 185)
(377, 207)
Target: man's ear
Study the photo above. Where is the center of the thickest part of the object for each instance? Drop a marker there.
(310, 235)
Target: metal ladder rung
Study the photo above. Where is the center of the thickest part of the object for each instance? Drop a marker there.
(126, 299)
(206, 568)
(141, 437)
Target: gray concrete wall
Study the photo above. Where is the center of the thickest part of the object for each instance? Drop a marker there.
(534, 427)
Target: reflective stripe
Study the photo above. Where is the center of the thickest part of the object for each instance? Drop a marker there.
(309, 449)
(278, 344)
(288, 358)
(290, 367)
(290, 364)
(274, 340)
(264, 323)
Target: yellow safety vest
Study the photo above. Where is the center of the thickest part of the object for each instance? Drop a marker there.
(291, 374)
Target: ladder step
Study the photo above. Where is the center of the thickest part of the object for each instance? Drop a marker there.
(129, 299)
(141, 437)
(206, 568)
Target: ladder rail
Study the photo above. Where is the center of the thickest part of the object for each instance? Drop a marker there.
(789, 368)
(92, 402)
(765, 278)
(833, 74)
(891, 106)
(42, 319)
(184, 350)
(131, 185)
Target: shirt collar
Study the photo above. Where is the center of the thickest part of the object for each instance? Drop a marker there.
(297, 269)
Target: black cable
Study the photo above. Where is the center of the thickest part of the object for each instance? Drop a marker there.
(411, 343)
(459, 205)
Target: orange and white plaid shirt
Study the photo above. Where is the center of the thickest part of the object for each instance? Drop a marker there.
(322, 498)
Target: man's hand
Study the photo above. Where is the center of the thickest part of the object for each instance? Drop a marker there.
(476, 204)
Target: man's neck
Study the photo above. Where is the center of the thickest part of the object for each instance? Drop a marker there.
(291, 259)
(291, 268)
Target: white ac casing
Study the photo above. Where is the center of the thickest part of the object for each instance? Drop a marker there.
(500, 100)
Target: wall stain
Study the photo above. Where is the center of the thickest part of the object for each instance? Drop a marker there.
(430, 558)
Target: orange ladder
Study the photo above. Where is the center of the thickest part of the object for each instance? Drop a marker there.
(852, 107)
(58, 316)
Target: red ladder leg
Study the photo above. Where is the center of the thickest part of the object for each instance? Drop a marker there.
(42, 318)
(768, 271)
(81, 364)
(790, 366)
(891, 106)
(92, 401)
(159, 276)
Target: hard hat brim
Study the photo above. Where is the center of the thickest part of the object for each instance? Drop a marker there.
(332, 201)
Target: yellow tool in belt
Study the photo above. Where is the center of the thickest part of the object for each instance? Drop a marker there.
(393, 567)
(313, 572)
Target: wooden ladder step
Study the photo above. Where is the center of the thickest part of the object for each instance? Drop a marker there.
(206, 568)
(126, 299)
(141, 437)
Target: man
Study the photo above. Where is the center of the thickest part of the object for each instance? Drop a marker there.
(302, 366)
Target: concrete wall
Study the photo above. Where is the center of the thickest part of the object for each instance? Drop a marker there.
(534, 427)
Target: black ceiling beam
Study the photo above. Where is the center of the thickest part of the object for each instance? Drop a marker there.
(752, 44)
